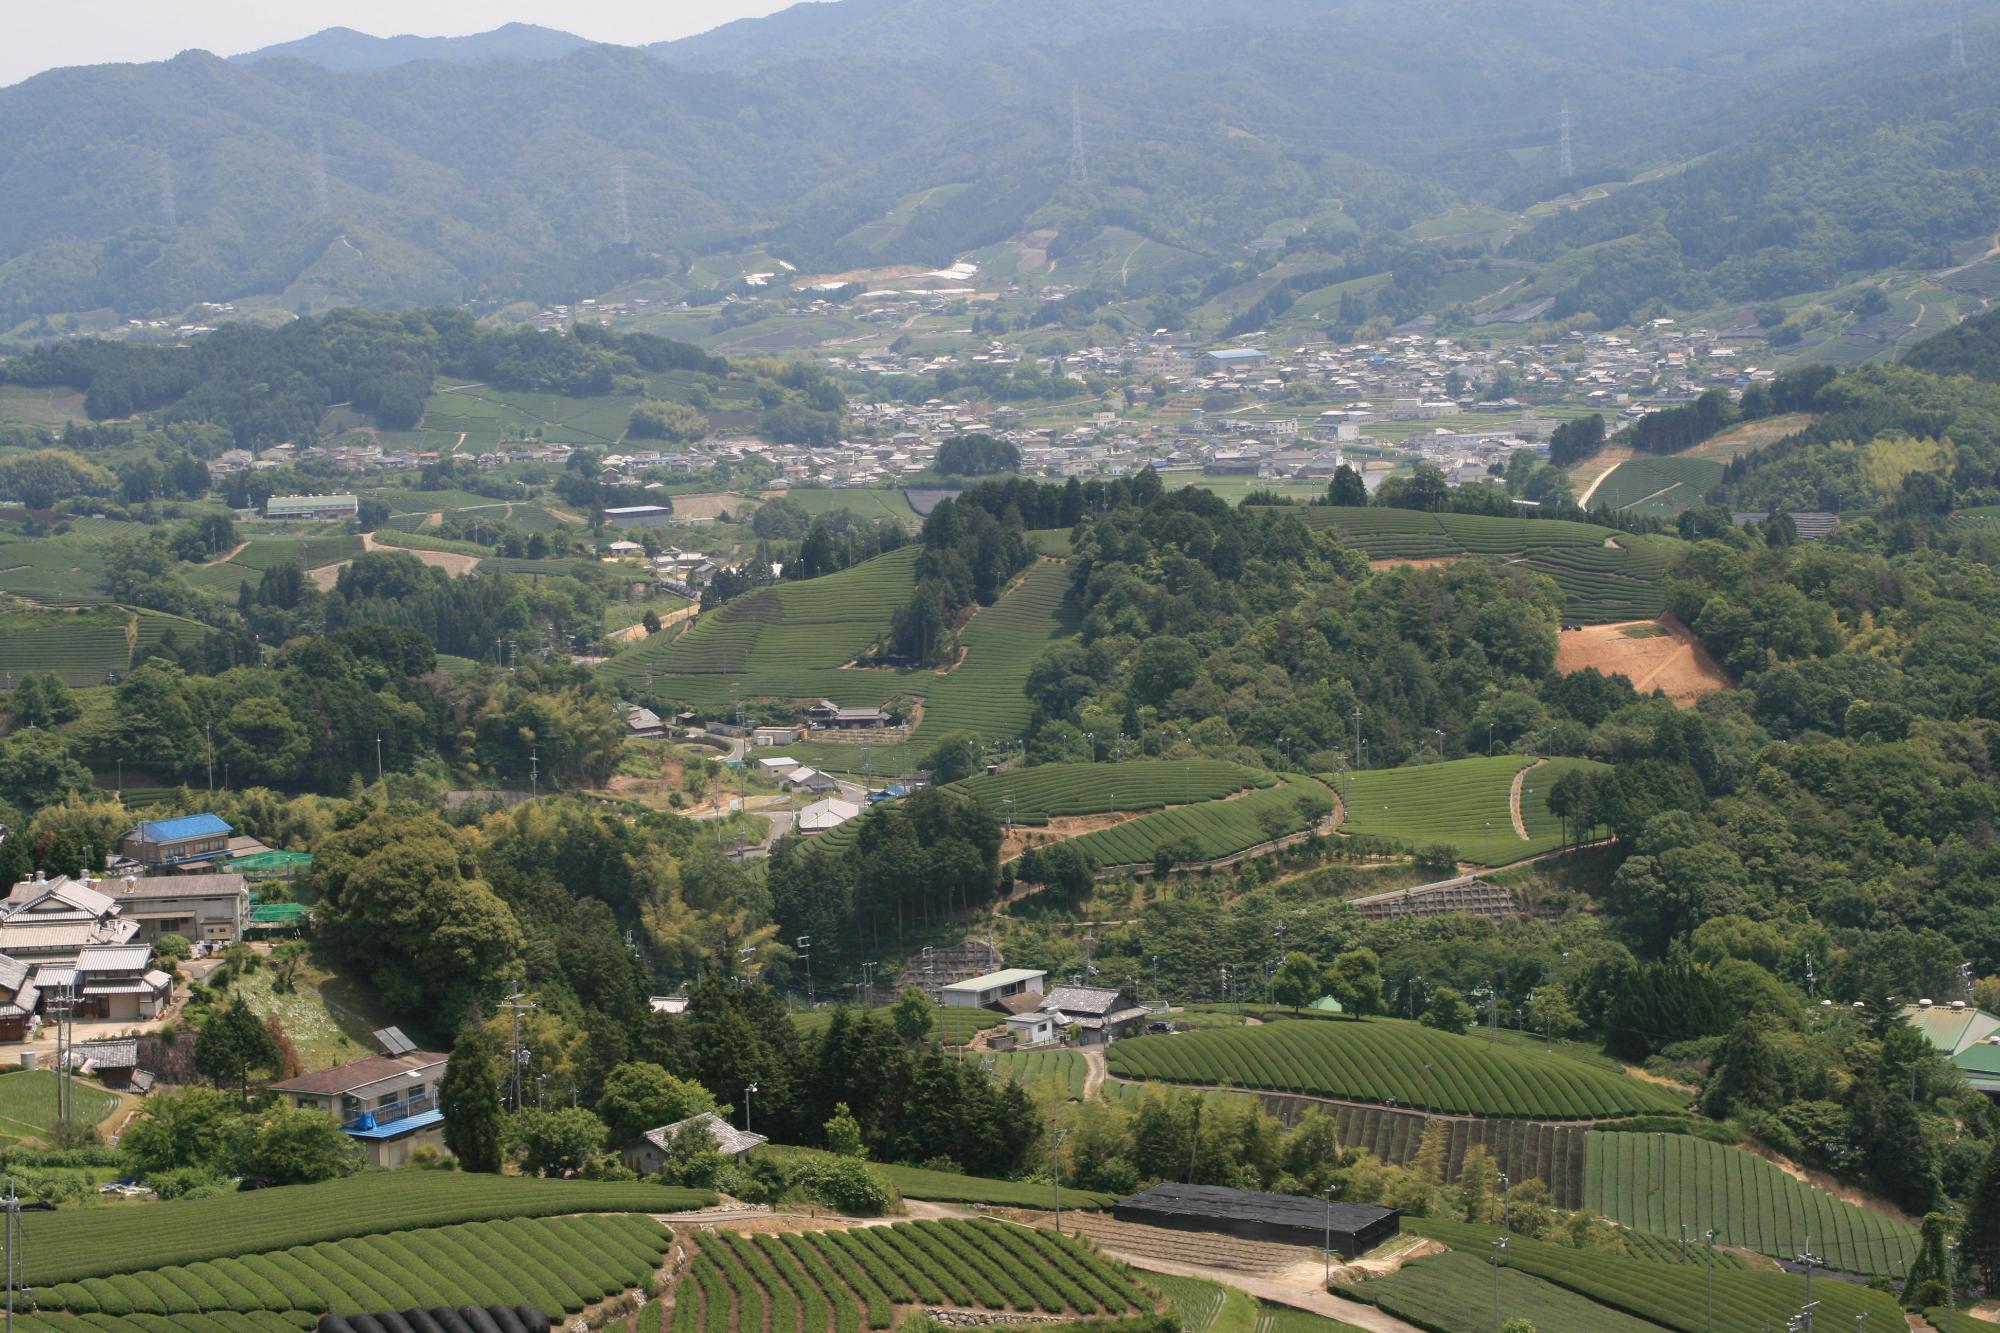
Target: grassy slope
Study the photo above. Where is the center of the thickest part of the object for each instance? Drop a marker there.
(1463, 802)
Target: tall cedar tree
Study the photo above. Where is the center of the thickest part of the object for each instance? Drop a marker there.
(231, 1043)
(469, 1096)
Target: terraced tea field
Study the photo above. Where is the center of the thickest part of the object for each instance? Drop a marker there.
(1624, 580)
(1654, 485)
(1463, 802)
(69, 567)
(1454, 1293)
(1034, 795)
(104, 1242)
(556, 1265)
(1670, 1295)
(84, 646)
(1029, 1068)
(1658, 1183)
(982, 693)
(1211, 830)
(1390, 1061)
(870, 506)
(787, 640)
(863, 1277)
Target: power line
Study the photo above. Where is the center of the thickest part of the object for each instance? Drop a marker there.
(1079, 169)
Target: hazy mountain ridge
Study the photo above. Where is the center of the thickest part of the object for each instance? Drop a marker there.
(346, 50)
(144, 187)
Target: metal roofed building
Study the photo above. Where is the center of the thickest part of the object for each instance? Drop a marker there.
(1101, 1015)
(1238, 356)
(1952, 1028)
(312, 506)
(164, 842)
(214, 906)
(1283, 1219)
(648, 1153)
(978, 992)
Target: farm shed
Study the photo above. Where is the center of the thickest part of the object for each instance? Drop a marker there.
(1283, 1219)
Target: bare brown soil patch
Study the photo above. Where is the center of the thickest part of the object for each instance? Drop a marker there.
(1819, 1180)
(1673, 661)
(1414, 562)
(1060, 828)
(1647, 1076)
(707, 504)
(1751, 436)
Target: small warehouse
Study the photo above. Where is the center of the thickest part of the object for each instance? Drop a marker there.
(1353, 1229)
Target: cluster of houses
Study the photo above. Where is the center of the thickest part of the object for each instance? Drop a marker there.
(362, 454)
(1036, 1014)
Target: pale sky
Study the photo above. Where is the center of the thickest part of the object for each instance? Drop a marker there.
(91, 32)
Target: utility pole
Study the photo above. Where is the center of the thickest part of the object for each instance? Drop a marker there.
(1056, 1137)
(535, 772)
(805, 951)
(378, 759)
(514, 1007)
(748, 1089)
(1565, 157)
(1499, 1253)
(1809, 1261)
(1708, 1324)
(16, 1264)
(208, 746)
(1326, 1251)
(1358, 755)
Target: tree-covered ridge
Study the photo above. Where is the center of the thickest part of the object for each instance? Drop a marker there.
(271, 385)
(151, 187)
(1889, 175)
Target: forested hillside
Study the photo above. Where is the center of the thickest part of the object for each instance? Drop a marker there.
(451, 177)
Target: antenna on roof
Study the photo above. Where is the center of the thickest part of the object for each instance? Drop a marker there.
(393, 1042)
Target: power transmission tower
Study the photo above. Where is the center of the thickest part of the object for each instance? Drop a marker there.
(321, 195)
(167, 211)
(624, 212)
(514, 1008)
(1079, 169)
(1565, 159)
(1958, 38)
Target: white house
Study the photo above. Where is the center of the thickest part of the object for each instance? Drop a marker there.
(978, 992)
(823, 815)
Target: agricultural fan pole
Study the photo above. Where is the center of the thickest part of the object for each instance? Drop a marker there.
(1709, 1325)
(1499, 1249)
(1326, 1254)
(1056, 1137)
(15, 1266)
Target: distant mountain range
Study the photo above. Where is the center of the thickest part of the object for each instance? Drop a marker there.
(344, 168)
(345, 50)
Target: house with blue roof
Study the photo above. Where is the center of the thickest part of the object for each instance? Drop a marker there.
(386, 1103)
(172, 842)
